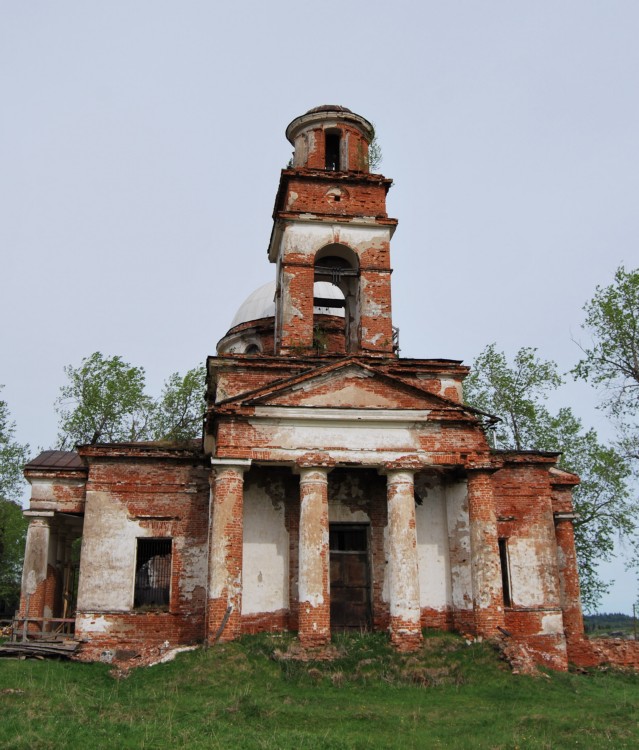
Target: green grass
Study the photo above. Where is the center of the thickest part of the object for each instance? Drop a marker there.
(449, 695)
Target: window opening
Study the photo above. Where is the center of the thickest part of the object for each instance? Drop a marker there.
(344, 538)
(152, 573)
(337, 272)
(332, 151)
(505, 572)
(252, 349)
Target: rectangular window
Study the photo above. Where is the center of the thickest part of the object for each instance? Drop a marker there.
(505, 572)
(153, 573)
(332, 151)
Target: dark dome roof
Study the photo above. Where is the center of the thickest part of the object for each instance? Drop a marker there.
(329, 108)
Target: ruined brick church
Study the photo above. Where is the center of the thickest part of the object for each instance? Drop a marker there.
(336, 486)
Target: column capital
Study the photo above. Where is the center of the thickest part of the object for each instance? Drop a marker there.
(315, 459)
(565, 516)
(39, 517)
(312, 474)
(410, 463)
(239, 464)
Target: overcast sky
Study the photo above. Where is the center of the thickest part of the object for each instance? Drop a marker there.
(141, 143)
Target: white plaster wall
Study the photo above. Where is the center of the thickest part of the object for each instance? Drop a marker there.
(107, 562)
(356, 437)
(195, 567)
(265, 553)
(532, 573)
(307, 237)
(338, 513)
(435, 587)
(459, 541)
(43, 492)
(552, 624)
(344, 499)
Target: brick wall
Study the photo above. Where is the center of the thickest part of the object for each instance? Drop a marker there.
(131, 498)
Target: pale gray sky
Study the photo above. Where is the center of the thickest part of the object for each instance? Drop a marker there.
(141, 143)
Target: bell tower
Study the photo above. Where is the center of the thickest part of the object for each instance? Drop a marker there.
(331, 240)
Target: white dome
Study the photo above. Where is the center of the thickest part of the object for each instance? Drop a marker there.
(261, 303)
(326, 290)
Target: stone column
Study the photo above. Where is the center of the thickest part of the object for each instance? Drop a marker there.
(403, 566)
(224, 600)
(34, 572)
(314, 579)
(488, 603)
(568, 577)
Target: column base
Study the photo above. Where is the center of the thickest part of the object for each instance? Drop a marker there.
(222, 627)
(314, 626)
(405, 635)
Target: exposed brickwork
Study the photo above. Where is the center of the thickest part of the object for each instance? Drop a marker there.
(63, 491)
(314, 193)
(335, 426)
(314, 615)
(438, 619)
(485, 569)
(562, 484)
(136, 631)
(595, 652)
(224, 605)
(155, 498)
(266, 622)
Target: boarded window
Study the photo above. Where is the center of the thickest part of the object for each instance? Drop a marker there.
(152, 573)
(505, 572)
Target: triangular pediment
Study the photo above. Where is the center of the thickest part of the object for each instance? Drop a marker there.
(350, 385)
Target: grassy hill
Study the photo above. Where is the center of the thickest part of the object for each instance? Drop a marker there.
(250, 695)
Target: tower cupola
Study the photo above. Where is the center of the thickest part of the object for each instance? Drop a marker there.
(331, 228)
(331, 137)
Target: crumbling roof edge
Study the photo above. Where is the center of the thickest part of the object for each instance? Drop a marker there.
(143, 449)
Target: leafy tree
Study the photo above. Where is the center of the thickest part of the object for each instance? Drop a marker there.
(611, 362)
(603, 500)
(374, 153)
(13, 532)
(105, 401)
(179, 410)
(13, 526)
(13, 456)
(517, 393)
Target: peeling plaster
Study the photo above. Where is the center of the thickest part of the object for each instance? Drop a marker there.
(532, 576)
(447, 383)
(313, 548)
(95, 624)
(403, 572)
(432, 549)
(552, 624)
(265, 565)
(459, 541)
(107, 574)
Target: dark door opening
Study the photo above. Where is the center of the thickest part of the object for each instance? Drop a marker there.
(350, 577)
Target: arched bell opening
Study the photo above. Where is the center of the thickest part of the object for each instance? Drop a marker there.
(329, 329)
(338, 267)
